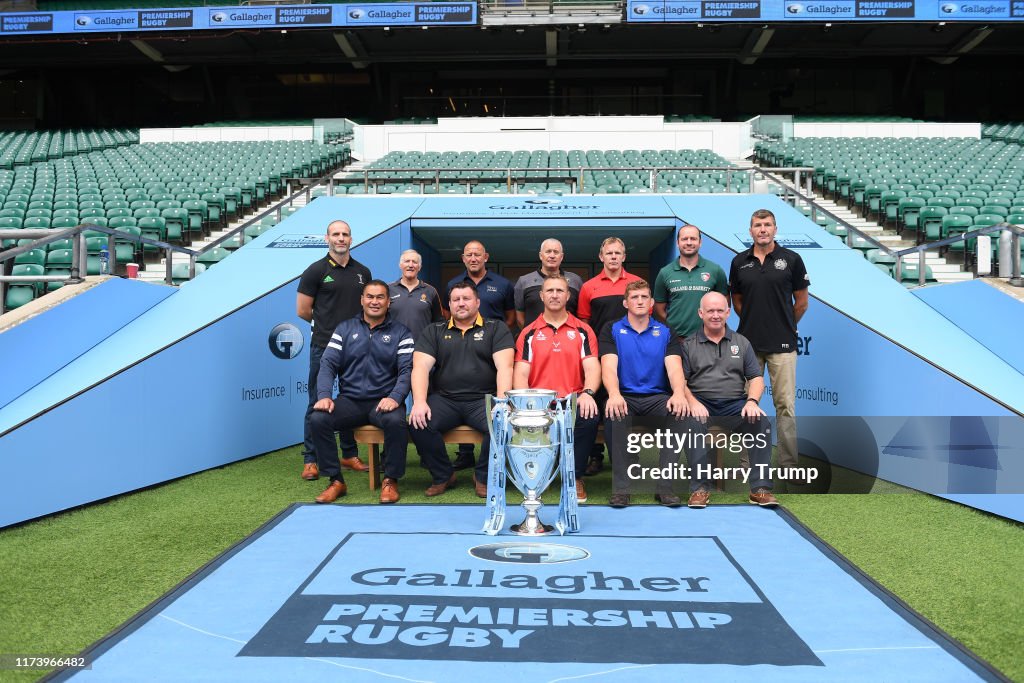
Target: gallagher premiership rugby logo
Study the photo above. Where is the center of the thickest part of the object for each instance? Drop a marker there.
(529, 553)
(285, 341)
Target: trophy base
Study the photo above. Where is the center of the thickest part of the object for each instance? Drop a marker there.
(538, 530)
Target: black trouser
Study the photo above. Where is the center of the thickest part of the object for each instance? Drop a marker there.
(348, 442)
(446, 414)
(349, 413)
(727, 414)
(616, 432)
(597, 450)
(584, 436)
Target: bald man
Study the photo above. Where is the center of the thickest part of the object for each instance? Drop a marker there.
(724, 383)
(329, 292)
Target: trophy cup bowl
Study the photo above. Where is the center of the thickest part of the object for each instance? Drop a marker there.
(532, 452)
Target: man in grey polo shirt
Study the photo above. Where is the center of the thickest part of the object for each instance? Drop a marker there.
(724, 380)
(526, 293)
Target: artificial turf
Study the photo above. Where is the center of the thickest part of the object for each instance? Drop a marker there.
(71, 578)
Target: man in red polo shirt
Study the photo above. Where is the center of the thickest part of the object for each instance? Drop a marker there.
(558, 351)
(600, 304)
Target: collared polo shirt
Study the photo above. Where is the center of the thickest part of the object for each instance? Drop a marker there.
(336, 291)
(464, 367)
(601, 299)
(556, 354)
(682, 289)
(766, 318)
(495, 292)
(415, 308)
(641, 355)
(527, 293)
(719, 372)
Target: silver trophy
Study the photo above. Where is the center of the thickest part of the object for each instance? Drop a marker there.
(531, 431)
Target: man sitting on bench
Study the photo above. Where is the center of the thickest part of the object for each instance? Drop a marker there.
(724, 380)
(470, 357)
(371, 357)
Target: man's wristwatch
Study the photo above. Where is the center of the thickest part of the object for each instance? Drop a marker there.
(755, 400)
(589, 392)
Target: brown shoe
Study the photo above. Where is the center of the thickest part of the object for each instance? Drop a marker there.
(699, 499)
(581, 492)
(389, 491)
(763, 497)
(669, 500)
(619, 500)
(354, 464)
(481, 489)
(438, 489)
(333, 492)
(310, 472)
(594, 465)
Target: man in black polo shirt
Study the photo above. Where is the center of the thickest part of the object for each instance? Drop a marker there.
(470, 357)
(725, 381)
(414, 303)
(329, 292)
(769, 293)
(497, 302)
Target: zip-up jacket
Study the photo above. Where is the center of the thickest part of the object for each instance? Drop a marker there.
(369, 364)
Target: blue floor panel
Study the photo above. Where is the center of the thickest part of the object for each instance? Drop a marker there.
(417, 593)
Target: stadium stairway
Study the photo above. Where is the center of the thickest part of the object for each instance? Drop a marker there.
(943, 270)
(156, 271)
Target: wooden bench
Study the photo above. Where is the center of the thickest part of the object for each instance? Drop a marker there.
(373, 437)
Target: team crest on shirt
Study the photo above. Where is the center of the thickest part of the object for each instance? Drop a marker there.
(622, 330)
(571, 335)
(385, 338)
(478, 335)
(355, 336)
(735, 349)
(780, 264)
(360, 276)
(705, 276)
(656, 332)
(423, 297)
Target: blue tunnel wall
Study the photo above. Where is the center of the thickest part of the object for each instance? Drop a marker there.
(188, 382)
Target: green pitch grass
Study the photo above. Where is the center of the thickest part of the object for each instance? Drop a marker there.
(69, 579)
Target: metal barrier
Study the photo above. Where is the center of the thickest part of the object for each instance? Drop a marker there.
(515, 178)
(1014, 230)
(79, 254)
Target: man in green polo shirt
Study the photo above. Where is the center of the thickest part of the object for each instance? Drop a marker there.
(681, 284)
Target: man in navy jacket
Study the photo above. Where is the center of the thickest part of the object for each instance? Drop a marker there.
(371, 357)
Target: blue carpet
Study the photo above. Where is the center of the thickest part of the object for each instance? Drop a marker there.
(416, 593)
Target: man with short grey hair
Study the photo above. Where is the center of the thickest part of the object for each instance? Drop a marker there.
(769, 293)
(414, 303)
(527, 289)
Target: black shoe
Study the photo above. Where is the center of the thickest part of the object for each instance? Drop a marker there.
(669, 500)
(464, 462)
(594, 465)
(619, 500)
